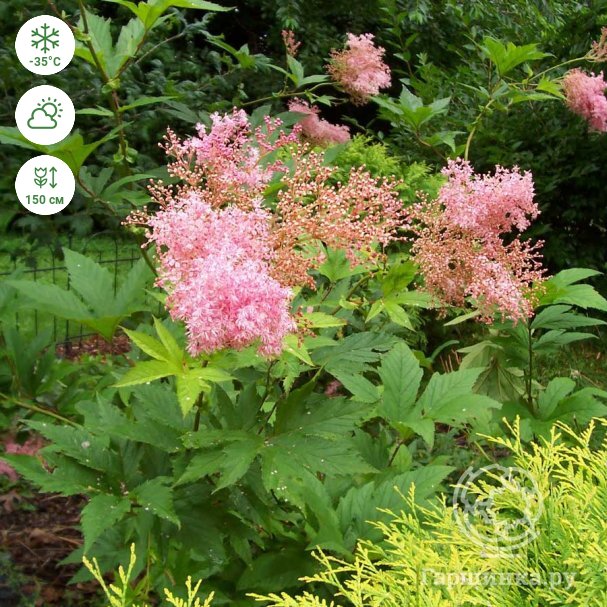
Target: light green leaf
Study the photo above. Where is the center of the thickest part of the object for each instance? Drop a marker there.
(398, 315)
(320, 320)
(189, 388)
(145, 372)
(148, 344)
(176, 354)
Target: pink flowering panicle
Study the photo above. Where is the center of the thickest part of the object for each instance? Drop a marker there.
(316, 130)
(360, 217)
(359, 69)
(598, 52)
(585, 96)
(460, 247)
(228, 262)
(291, 43)
(225, 162)
(215, 265)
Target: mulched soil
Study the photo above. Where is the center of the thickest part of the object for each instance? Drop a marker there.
(94, 345)
(39, 531)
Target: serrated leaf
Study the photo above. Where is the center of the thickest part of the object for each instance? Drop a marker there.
(148, 344)
(132, 287)
(398, 315)
(360, 387)
(100, 514)
(154, 495)
(297, 349)
(368, 503)
(401, 376)
(176, 354)
(90, 280)
(51, 298)
(145, 372)
(556, 390)
(320, 320)
(189, 388)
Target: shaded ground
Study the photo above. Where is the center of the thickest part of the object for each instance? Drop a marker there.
(37, 532)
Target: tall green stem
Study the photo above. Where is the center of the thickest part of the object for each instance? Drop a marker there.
(113, 97)
(529, 382)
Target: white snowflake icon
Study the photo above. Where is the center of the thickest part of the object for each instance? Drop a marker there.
(45, 40)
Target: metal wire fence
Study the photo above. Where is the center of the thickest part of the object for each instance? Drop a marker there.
(46, 265)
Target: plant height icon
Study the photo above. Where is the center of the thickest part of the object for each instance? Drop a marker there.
(40, 176)
(45, 40)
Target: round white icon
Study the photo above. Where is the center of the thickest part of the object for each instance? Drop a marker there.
(45, 115)
(45, 45)
(45, 185)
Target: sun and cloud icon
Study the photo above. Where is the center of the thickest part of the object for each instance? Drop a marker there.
(45, 116)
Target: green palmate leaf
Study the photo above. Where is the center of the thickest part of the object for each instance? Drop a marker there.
(90, 280)
(376, 308)
(360, 506)
(149, 13)
(145, 372)
(508, 56)
(88, 449)
(332, 456)
(237, 458)
(360, 387)
(202, 464)
(212, 374)
(550, 86)
(562, 317)
(157, 497)
(584, 296)
(100, 514)
(320, 320)
(558, 404)
(130, 291)
(336, 267)
(399, 276)
(175, 352)
(444, 387)
(555, 392)
(70, 478)
(129, 41)
(51, 298)
(401, 375)
(276, 570)
(189, 387)
(552, 340)
(398, 315)
(353, 352)
(313, 413)
(148, 344)
(288, 479)
(297, 349)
